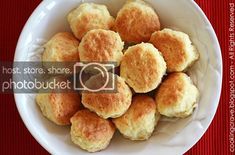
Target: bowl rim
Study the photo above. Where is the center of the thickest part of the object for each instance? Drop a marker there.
(43, 142)
(218, 49)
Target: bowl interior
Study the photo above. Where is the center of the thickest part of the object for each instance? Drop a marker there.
(171, 135)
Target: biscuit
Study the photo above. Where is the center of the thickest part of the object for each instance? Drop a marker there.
(176, 48)
(142, 67)
(90, 132)
(89, 16)
(176, 96)
(136, 21)
(61, 47)
(139, 121)
(109, 104)
(101, 46)
(58, 107)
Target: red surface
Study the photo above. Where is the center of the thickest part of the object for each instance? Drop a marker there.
(15, 138)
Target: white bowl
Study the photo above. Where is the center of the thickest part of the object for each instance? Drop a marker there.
(171, 136)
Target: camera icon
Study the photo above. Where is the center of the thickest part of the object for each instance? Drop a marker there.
(94, 77)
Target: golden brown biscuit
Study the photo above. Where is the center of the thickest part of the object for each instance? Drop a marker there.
(142, 67)
(139, 121)
(101, 45)
(176, 96)
(136, 21)
(89, 16)
(176, 48)
(58, 107)
(60, 48)
(91, 132)
(109, 104)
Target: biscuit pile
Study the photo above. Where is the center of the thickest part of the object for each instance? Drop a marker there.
(154, 61)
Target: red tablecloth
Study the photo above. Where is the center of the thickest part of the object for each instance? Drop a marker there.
(15, 138)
